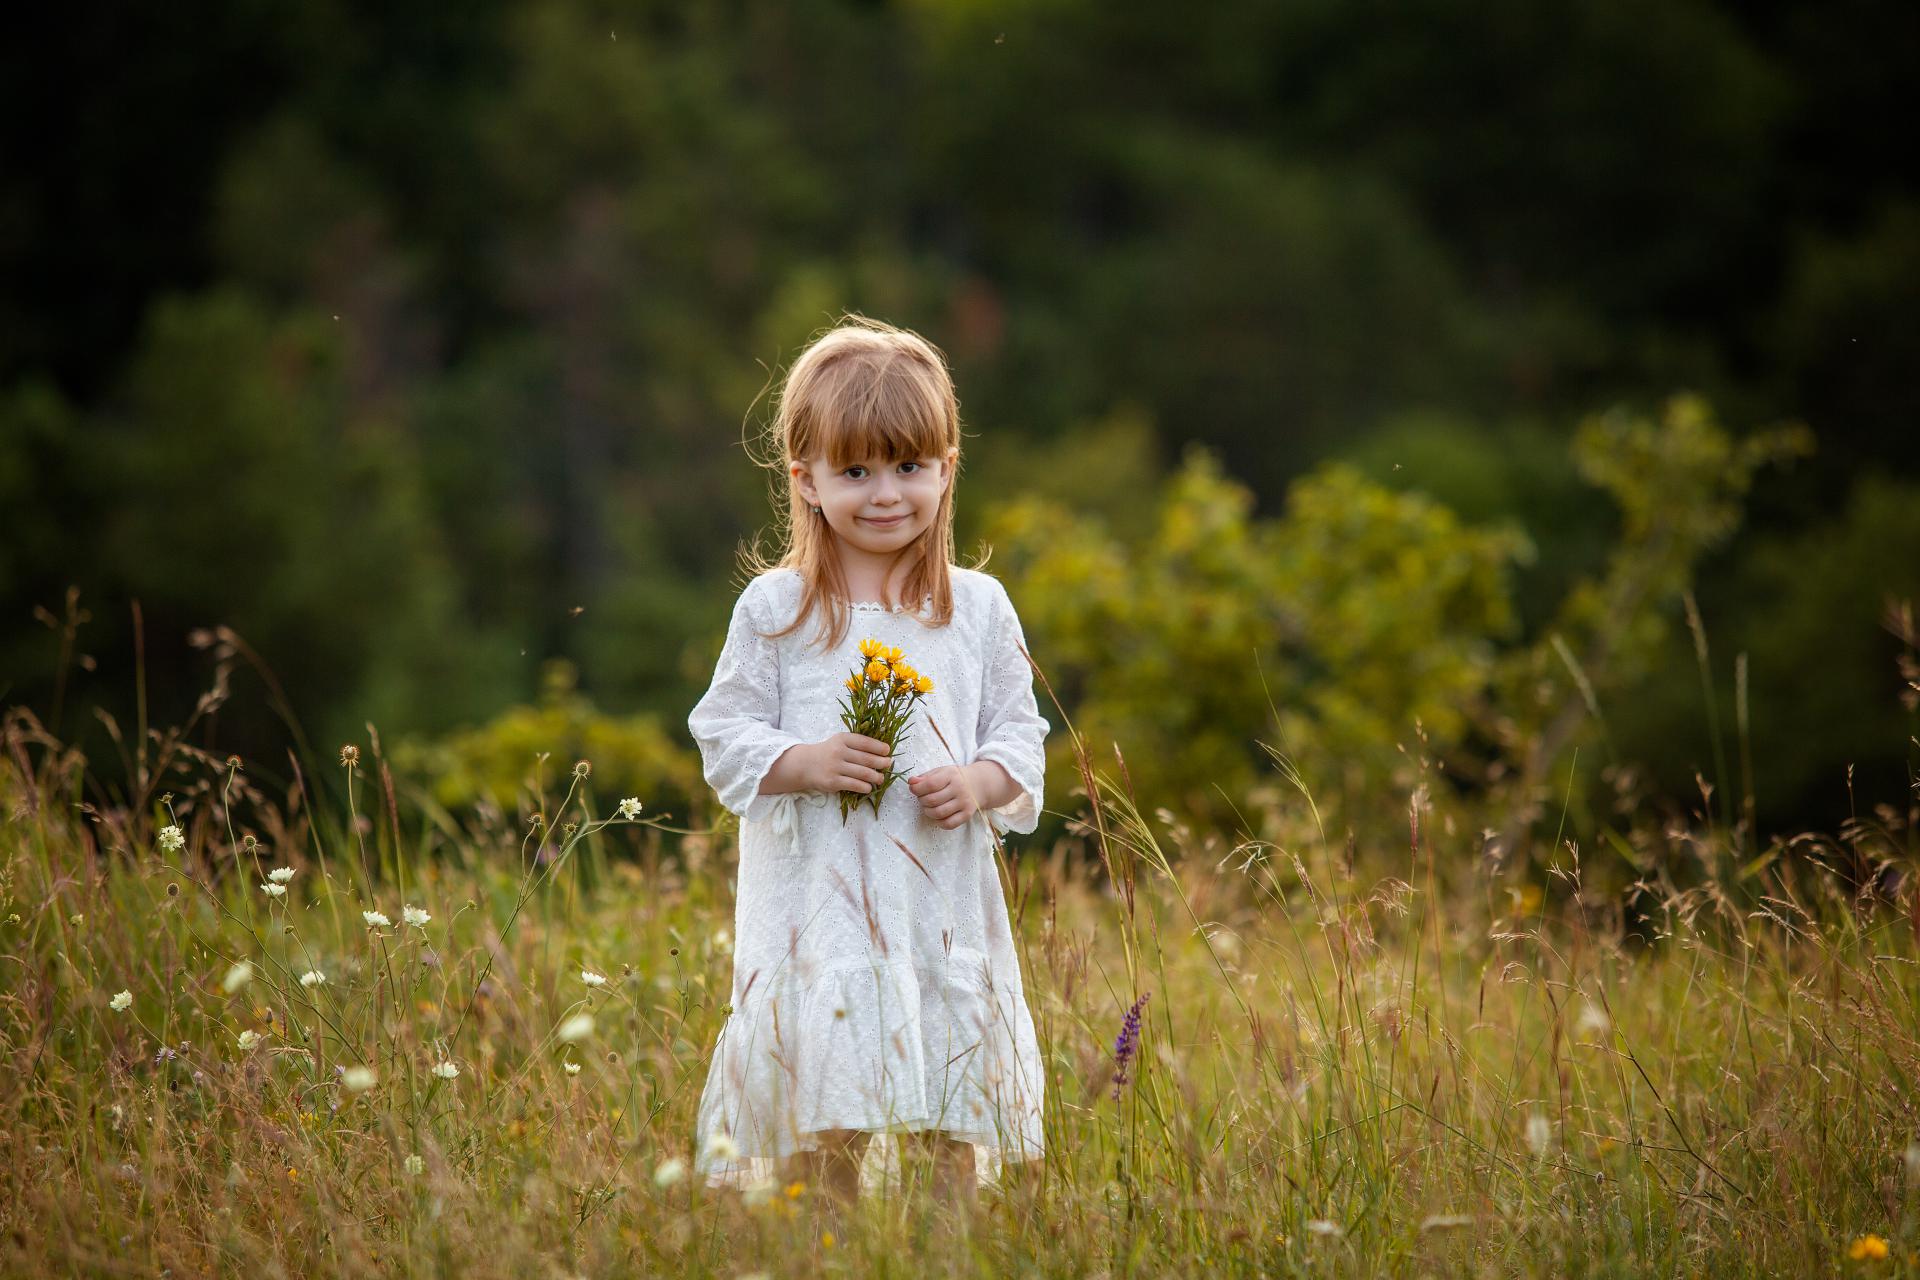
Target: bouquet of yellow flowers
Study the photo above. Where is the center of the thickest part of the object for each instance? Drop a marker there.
(880, 696)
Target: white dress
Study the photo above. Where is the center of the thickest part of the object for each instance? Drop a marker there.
(870, 992)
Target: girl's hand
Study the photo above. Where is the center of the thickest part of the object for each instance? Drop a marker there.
(847, 762)
(946, 795)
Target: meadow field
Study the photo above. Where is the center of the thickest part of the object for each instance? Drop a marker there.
(1352, 1061)
(1371, 421)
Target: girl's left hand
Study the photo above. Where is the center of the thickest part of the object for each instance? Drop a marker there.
(945, 795)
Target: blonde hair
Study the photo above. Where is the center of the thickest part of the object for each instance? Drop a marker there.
(863, 389)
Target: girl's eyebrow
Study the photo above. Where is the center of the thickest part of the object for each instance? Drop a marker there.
(869, 464)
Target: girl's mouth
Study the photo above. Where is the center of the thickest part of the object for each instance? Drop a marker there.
(887, 523)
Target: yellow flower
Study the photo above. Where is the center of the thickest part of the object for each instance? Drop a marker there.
(853, 683)
(795, 1189)
(871, 649)
(876, 672)
(904, 671)
(891, 655)
(923, 685)
(1868, 1248)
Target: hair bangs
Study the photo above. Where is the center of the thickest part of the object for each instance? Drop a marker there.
(890, 413)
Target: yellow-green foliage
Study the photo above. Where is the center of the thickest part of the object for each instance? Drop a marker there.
(1355, 614)
(493, 764)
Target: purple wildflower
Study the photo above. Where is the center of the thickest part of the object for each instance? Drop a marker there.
(1126, 1043)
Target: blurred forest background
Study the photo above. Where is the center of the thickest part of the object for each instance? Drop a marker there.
(1416, 366)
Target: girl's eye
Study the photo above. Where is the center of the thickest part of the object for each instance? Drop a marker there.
(910, 464)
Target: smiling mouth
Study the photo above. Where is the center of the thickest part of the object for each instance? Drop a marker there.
(889, 520)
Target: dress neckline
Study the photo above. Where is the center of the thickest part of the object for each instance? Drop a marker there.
(874, 606)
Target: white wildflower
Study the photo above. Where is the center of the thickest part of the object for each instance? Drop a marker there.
(720, 1146)
(446, 1070)
(375, 919)
(172, 839)
(237, 977)
(572, 1068)
(629, 808)
(415, 916)
(121, 1002)
(1593, 1021)
(312, 978)
(722, 940)
(593, 979)
(416, 1166)
(1539, 1134)
(280, 875)
(759, 1191)
(274, 890)
(1325, 1227)
(357, 1079)
(670, 1171)
(578, 1027)
(248, 1039)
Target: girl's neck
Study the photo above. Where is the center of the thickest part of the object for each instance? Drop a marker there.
(872, 579)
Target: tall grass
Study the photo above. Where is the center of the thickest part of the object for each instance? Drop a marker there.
(1351, 1061)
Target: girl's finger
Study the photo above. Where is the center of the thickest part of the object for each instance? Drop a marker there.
(855, 784)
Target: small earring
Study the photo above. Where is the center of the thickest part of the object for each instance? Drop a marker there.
(816, 511)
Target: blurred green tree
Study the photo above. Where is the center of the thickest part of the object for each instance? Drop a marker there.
(246, 487)
(1367, 634)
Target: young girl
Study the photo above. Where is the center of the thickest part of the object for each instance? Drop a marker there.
(875, 984)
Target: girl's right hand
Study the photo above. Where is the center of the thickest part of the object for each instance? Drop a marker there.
(848, 762)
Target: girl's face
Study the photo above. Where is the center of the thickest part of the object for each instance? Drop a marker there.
(876, 506)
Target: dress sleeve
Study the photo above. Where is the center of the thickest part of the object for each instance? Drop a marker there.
(1011, 731)
(736, 723)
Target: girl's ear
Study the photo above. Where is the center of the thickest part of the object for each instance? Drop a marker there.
(803, 478)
